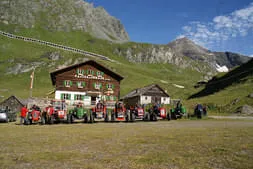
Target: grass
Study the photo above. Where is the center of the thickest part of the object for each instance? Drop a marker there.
(174, 144)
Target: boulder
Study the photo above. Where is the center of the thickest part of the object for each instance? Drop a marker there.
(245, 110)
(250, 95)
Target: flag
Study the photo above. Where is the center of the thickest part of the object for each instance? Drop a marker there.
(32, 77)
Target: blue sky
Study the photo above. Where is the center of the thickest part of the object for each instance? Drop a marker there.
(219, 25)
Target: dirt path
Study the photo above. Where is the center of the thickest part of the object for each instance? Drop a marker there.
(231, 117)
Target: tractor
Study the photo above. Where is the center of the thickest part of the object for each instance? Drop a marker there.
(78, 113)
(55, 112)
(100, 112)
(120, 113)
(178, 112)
(155, 112)
(33, 116)
(136, 112)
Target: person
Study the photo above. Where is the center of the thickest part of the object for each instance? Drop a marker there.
(23, 112)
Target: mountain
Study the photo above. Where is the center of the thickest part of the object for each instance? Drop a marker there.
(184, 53)
(62, 15)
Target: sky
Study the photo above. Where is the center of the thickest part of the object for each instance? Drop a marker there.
(219, 25)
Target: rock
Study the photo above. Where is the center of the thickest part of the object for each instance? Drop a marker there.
(52, 56)
(245, 110)
(250, 95)
(235, 101)
(63, 15)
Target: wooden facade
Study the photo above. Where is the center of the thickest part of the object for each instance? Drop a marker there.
(146, 95)
(12, 103)
(88, 81)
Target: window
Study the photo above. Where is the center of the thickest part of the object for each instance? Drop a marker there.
(110, 86)
(67, 83)
(164, 99)
(80, 72)
(100, 74)
(80, 85)
(146, 98)
(90, 72)
(65, 96)
(97, 85)
(79, 97)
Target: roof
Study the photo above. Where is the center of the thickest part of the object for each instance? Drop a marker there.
(142, 91)
(14, 97)
(89, 62)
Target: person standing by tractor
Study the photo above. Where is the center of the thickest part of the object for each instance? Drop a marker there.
(23, 112)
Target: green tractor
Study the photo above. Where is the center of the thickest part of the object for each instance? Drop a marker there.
(79, 112)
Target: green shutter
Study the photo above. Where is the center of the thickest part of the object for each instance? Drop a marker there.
(112, 86)
(61, 96)
(64, 83)
(101, 85)
(82, 72)
(97, 73)
(75, 97)
(92, 72)
(94, 84)
(77, 70)
(71, 83)
(83, 84)
(107, 86)
(87, 71)
(115, 98)
(82, 97)
(102, 73)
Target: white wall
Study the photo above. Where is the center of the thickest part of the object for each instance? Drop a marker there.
(87, 99)
(144, 100)
(165, 100)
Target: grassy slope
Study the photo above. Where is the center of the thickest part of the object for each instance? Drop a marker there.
(136, 75)
(174, 144)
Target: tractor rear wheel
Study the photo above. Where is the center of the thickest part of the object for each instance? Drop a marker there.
(85, 118)
(147, 117)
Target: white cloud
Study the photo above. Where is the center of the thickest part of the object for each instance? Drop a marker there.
(221, 28)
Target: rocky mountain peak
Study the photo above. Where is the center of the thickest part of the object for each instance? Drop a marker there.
(63, 15)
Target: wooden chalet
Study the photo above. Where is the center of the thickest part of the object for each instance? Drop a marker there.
(86, 82)
(12, 103)
(146, 95)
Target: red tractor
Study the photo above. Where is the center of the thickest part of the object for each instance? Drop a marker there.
(155, 112)
(120, 113)
(100, 112)
(33, 116)
(135, 113)
(55, 112)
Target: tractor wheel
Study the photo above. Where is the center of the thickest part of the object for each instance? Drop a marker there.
(112, 117)
(173, 116)
(132, 117)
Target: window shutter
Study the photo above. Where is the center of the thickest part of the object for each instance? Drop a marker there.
(92, 72)
(87, 71)
(102, 73)
(94, 85)
(100, 85)
(107, 86)
(115, 98)
(83, 84)
(112, 86)
(62, 96)
(82, 72)
(82, 97)
(71, 83)
(97, 73)
(77, 71)
(75, 97)
(64, 83)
